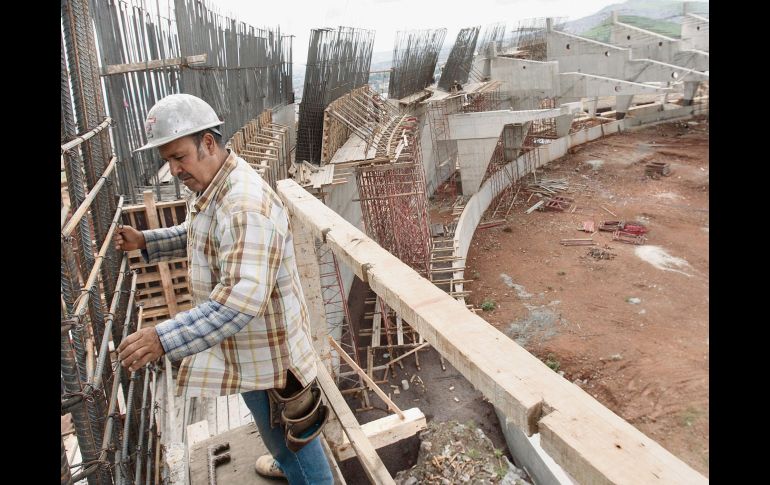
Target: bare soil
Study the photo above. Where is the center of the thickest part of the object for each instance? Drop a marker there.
(633, 334)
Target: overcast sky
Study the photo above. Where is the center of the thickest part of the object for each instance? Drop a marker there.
(297, 17)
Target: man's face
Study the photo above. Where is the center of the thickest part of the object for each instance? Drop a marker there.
(190, 163)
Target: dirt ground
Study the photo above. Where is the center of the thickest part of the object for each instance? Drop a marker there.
(632, 329)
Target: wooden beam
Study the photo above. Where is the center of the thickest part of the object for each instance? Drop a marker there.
(367, 455)
(165, 276)
(385, 431)
(522, 387)
(369, 381)
(154, 64)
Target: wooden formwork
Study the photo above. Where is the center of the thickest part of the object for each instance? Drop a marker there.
(162, 288)
(265, 146)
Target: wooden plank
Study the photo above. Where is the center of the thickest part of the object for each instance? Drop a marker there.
(165, 276)
(399, 330)
(197, 432)
(365, 452)
(369, 381)
(376, 324)
(524, 389)
(211, 414)
(385, 431)
(223, 419)
(154, 64)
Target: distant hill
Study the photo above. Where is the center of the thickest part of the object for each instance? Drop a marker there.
(664, 27)
(667, 12)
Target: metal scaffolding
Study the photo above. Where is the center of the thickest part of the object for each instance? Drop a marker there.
(415, 54)
(149, 50)
(458, 65)
(338, 62)
(393, 198)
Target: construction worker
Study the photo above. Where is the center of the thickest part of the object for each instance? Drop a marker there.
(248, 331)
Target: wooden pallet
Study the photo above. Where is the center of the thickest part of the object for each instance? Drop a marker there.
(163, 288)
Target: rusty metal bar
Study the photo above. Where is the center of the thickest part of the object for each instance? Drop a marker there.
(80, 139)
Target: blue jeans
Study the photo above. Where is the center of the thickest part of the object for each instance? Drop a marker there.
(308, 465)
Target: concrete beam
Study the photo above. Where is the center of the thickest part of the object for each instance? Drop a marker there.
(646, 70)
(580, 85)
(488, 124)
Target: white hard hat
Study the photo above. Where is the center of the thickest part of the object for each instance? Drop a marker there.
(175, 116)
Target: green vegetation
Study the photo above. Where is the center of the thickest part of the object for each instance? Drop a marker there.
(551, 362)
(663, 27)
(488, 305)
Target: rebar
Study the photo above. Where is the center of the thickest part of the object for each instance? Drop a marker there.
(247, 70)
(66, 476)
(139, 448)
(415, 54)
(338, 62)
(458, 65)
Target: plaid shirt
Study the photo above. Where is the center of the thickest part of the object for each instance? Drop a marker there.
(250, 323)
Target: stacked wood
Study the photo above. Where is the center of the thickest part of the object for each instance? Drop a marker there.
(656, 169)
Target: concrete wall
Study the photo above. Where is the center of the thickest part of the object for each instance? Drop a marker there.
(695, 32)
(285, 116)
(576, 54)
(524, 78)
(644, 44)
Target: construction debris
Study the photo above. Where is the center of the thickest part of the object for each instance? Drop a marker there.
(452, 453)
(599, 254)
(547, 187)
(577, 242)
(628, 238)
(588, 226)
(535, 207)
(656, 169)
(559, 203)
(610, 226)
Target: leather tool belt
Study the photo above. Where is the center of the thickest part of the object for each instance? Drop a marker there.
(299, 411)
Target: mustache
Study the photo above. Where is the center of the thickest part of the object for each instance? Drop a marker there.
(183, 176)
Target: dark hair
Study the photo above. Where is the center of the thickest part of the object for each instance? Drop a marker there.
(198, 137)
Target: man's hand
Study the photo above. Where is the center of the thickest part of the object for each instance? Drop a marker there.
(140, 348)
(127, 239)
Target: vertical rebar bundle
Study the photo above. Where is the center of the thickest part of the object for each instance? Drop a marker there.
(458, 65)
(415, 54)
(338, 62)
(246, 71)
(493, 34)
(529, 37)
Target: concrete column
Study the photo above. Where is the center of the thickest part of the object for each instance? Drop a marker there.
(622, 103)
(690, 88)
(592, 104)
(563, 124)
